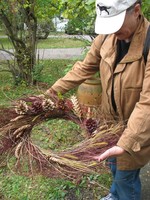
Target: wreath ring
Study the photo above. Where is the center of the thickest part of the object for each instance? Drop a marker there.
(15, 138)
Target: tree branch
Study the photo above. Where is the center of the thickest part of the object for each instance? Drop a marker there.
(7, 51)
(10, 30)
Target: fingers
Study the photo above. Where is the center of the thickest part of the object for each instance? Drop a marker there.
(112, 152)
(103, 156)
(50, 92)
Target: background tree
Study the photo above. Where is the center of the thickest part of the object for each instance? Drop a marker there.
(81, 15)
(45, 12)
(21, 24)
(20, 19)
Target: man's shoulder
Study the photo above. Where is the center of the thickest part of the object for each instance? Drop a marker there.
(100, 39)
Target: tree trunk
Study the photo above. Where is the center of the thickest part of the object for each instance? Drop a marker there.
(23, 40)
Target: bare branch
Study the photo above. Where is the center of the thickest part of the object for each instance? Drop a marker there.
(7, 51)
(10, 30)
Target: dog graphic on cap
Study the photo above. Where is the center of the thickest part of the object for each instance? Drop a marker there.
(103, 8)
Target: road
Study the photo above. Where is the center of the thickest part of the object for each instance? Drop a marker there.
(62, 53)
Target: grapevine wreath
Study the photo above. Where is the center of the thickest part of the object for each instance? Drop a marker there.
(30, 159)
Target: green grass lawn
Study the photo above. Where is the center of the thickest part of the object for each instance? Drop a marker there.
(5, 43)
(53, 134)
(51, 43)
(59, 42)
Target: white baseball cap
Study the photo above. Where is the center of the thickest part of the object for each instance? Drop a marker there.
(111, 15)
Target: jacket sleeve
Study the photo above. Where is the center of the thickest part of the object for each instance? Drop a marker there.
(81, 70)
(136, 137)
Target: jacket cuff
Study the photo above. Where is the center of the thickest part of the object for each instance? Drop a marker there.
(130, 145)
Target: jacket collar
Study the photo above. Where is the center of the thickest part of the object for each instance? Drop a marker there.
(136, 47)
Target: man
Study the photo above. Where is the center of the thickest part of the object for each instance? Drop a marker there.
(117, 52)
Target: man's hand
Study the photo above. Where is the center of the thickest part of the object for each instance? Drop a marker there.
(52, 94)
(112, 152)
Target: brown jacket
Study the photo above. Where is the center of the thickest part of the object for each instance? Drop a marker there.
(131, 91)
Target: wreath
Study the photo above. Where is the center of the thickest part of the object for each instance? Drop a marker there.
(16, 143)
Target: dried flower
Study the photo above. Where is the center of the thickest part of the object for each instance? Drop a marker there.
(48, 104)
(76, 106)
(17, 150)
(21, 107)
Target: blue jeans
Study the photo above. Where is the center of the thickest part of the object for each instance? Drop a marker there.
(126, 184)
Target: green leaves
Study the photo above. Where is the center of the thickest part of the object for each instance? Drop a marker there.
(146, 8)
